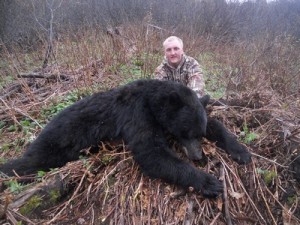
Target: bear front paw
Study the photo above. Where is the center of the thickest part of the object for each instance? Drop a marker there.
(243, 157)
(211, 187)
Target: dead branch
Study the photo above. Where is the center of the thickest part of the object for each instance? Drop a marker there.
(225, 197)
(14, 110)
(11, 90)
(42, 190)
(44, 76)
(117, 192)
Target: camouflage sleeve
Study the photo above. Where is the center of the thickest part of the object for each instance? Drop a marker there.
(196, 79)
(160, 73)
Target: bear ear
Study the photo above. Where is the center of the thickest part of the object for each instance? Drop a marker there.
(204, 100)
(174, 99)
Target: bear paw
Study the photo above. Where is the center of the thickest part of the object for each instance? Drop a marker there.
(240, 154)
(211, 187)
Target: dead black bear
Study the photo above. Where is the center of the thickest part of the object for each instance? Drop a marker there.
(141, 113)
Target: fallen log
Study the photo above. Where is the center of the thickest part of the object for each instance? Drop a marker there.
(41, 196)
(44, 76)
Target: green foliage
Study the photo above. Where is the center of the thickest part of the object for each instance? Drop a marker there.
(12, 128)
(213, 75)
(106, 159)
(14, 186)
(139, 67)
(60, 103)
(40, 175)
(2, 125)
(23, 132)
(5, 79)
(130, 73)
(28, 127)
(16, 145)
(248, 136)
(147, 62)
(25, 125)
(268, 175)
(7, 146)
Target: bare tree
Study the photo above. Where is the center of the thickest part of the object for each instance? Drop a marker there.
(218, 19)
(51, 7)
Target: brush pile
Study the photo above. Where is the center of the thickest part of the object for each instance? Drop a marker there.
(108, 187)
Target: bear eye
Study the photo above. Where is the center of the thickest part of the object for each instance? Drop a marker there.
(190, 134)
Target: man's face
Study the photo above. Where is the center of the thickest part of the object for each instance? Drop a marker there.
(173, 53)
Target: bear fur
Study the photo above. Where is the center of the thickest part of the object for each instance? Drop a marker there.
(142, 114)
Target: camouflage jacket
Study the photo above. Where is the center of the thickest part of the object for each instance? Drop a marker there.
(188, 73)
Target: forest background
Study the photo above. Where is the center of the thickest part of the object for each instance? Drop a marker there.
(263, 38)
(54, 52)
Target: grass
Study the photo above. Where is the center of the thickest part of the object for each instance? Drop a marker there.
(227, 68)
(22, 133)
(57, 104)
(4, 80)
(213, 72)
(14, 186)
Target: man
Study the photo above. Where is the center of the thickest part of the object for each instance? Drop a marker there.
(179, 67)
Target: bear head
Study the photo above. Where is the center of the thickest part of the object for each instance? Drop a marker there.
(182, 114)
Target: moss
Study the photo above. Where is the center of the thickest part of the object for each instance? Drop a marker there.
(292, 200)
(54, 196)
(106, 159)
(33, 203)
(269, 176)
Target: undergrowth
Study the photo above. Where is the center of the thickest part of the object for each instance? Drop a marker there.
(246, 66)
(96, 63)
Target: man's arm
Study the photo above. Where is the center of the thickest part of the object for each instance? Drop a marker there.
(196, 78)
(160, 73)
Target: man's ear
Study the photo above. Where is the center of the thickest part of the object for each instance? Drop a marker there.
(204, 100)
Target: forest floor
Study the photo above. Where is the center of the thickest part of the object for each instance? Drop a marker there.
(108, 187)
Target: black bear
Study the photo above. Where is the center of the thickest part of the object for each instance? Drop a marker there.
(141, 113)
